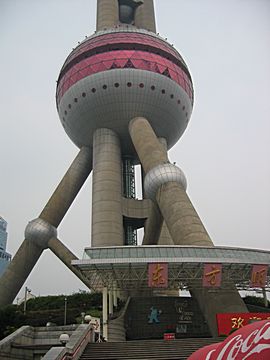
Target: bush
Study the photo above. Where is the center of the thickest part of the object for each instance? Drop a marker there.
(43, 309)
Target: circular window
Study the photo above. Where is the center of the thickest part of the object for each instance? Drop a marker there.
(116, 85)
(65, 112)
(179, 102)
(93, 90)
(75, 100)
(172, 96)
(163, 91)
(153, 87)
(129, 84)
(141, 85)
(69, 105)
(104, 87)
(83, 94)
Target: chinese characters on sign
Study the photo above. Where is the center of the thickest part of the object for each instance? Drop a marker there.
(212, 275)
(233, 321)
(158, 275)
(258, 276)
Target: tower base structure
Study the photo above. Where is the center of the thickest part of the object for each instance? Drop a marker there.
(125, 270)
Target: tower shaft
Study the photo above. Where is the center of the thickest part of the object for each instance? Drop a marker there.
(107, 219)
(142, 14)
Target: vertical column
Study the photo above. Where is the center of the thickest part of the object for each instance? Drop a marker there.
(115, 296)
(145, 16)
(107, 220)
(110, 303)
(105, 312)
(107, 14)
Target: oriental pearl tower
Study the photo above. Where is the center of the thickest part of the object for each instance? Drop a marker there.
(124, 97)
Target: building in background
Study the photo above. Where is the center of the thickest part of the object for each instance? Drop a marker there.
(4, 256)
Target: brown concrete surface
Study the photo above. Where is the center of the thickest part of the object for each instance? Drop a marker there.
(145, 16)
(107, 219)
(182, 220)
(68, 188)
(107, 14)
(66, 256)
(29, 252)
(18, 270)
(149, 149)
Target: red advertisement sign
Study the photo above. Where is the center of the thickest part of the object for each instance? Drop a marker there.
(204, 353)
(232, 321)
(169, 336)
(252, 342)
(212, 275)
(258, 276)
(158, 275)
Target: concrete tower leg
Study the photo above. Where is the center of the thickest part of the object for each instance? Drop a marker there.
(65, 193)
(183, 222)
(66, 256)
(107, 219)
(39, 231)
(165, 237)
(152, 227)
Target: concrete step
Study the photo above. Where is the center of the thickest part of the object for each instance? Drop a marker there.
(146, 349)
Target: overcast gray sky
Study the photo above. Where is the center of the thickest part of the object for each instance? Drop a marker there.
(224, 152)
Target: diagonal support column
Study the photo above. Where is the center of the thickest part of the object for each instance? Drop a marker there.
(165, 184)
(65, 193)
(39, 231)
(66, 256)
(162, 185)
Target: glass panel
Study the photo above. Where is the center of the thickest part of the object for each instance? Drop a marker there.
(110, 253)
(103, 253)
(126, 253)
(141, 253)
(163, 252)
(170, 252)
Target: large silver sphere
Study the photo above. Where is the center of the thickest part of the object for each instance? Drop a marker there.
(119, 74)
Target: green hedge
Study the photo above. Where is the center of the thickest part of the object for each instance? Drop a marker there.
(43, 309)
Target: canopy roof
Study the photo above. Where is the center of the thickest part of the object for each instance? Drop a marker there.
(126, 267)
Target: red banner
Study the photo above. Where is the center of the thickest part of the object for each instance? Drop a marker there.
(232, 321)
(259, 276)
(158, 275)
(212, 275)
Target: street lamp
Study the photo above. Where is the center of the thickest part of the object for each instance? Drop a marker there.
(82, 315)
(65, 311)
(87, 319)
(64, 339)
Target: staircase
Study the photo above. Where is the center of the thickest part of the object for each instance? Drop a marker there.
(145, 349)
(116, 328)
